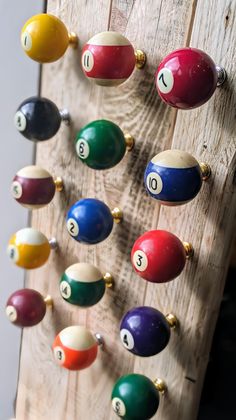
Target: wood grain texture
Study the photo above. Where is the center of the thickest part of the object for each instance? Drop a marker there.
(45, 391)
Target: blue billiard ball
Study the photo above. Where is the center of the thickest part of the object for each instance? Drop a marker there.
(89, 221)
(173, 177)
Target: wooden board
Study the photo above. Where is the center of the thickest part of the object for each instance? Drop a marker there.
(46, 391)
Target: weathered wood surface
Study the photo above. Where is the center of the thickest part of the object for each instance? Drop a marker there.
(46, 391)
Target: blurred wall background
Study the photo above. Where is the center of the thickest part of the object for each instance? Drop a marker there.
(18, 80)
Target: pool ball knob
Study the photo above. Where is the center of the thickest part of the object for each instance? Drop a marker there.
(75, 348)
(145, 331)
(91, 221)
(39, 119)
(135, 396)
(83, 284)
(45, 39)
(159, 256)
(174, 177)
(28, 248)
(108, 59)
(101, 144)
(187, 78)
(33, 187)
(27, 307)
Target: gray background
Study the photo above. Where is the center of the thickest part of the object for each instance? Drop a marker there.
(18, 80)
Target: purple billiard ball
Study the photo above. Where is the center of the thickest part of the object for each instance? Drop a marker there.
(144, 331)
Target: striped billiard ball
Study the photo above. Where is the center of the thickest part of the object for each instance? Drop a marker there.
(75, 348)
(29, 248)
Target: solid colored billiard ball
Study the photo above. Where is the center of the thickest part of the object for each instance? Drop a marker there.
(174, 177)
(145, 331)
(135, 397)
(33, 187)
(82, 284)
(75, 348)
(45, 38)
(28, 248)
(26, 307)
(90, 221)
(101, 144)
(187, 78)
(108, 59)
(39, 119)
(159, 256)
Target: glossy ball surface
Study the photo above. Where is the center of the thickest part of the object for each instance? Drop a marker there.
(186, 78)
(37, 119)
(100, 144)
(144, 331)
(82, 284)
(28, 248)
(108, 59)
(135, 397)
(173, 177)
(75, 348)
(158, 256)
(44, 38)
(89, 221)
(33, 187)
(25, 308)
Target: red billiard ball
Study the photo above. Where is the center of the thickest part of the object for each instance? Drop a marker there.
(187, 78)
(75, 348)
(25, 308)
(158, 256)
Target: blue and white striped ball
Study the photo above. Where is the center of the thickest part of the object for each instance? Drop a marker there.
(173, 177)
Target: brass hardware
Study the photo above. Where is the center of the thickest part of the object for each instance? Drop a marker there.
(160, 385)
(188, 249)
(48, 300)
(73, 39)
(117, 214)
(206, 170)
(108, 280)
(172, 321)
(58, 184)
(140, 59)
(129, 140)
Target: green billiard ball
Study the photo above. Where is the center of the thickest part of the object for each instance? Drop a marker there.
(82, 284)
(101, 144)
(135, 397)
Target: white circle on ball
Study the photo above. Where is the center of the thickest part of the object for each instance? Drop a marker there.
(16, 189)
(154, 183)
(20, 121)
(127, 339)
(11, 313)
(26, 41)
(59, 355)
(87, 60)
(13, 253)
(140, 260)
(72, 227)
(65, 289)
(165, 80)
(118, 406)
(82, 148)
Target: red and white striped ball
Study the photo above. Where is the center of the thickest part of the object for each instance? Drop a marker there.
(75, 348)
(33, 187)
(108, 59)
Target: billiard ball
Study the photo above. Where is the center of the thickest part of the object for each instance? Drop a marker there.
(39, 119)
(135, 397)
(159, 256)
(101, 144)
(187, 78)
(33, 187)
(75, 348)
(45, 38)
(174, 177)
(108, 59)
(28, 248)
(144, 331)
(82, 284)
(26, 307)
(90, 221)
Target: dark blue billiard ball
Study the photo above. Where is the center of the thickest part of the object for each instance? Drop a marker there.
(89, 221)
(144, 331)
